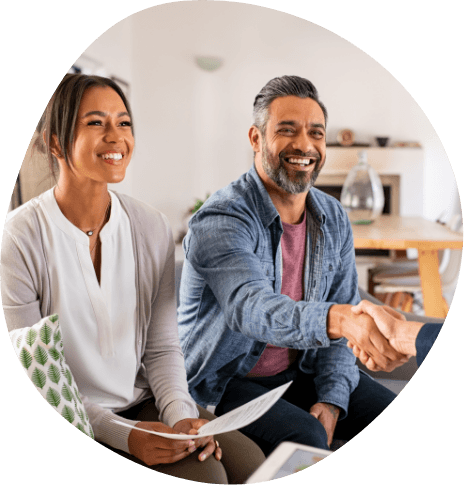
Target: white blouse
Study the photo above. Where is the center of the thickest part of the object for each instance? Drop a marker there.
(97, 320)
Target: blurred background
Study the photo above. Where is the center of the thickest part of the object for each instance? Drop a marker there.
(191, 71)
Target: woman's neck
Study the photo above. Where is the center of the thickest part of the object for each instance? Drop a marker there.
(84, 205)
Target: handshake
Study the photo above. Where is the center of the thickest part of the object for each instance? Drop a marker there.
(378, 335)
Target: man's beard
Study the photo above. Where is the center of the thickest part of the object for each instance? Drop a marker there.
(280, 175)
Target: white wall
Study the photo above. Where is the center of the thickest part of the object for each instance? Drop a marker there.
(191, 125)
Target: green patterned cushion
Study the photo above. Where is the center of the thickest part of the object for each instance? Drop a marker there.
(40, 351)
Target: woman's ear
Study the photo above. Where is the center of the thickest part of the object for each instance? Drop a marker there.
(54, 145)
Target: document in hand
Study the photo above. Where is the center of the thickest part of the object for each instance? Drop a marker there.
(235, 419)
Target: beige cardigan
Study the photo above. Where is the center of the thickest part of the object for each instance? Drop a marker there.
(25, 289)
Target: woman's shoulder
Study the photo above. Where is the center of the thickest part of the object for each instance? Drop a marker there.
(141, 213)
(24, 220)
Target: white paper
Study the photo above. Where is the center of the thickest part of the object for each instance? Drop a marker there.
(235, 419)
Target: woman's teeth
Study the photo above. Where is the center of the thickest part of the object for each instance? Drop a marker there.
(112, 156)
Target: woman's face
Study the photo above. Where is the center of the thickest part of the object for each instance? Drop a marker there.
(103, 139)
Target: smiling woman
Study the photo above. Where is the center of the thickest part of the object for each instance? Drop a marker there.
(104, 262)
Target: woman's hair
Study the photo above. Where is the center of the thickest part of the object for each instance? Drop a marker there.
(60, 116)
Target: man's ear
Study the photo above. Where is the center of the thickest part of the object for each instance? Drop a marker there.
(254, 135)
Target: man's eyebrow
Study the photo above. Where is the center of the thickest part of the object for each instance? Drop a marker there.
(286, 122)
(102, 113)
(294, 123)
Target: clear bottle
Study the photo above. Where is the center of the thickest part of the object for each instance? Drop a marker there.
(362, 193)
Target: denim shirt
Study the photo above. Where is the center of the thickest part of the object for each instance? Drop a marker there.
(231, 304)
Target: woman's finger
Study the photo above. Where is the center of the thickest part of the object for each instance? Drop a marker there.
(207, 451)
(218, 452)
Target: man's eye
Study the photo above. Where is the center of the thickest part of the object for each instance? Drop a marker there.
(126, 123)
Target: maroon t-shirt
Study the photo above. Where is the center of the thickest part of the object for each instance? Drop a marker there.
(277, 359)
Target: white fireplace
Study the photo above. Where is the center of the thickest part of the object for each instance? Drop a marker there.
(401, 169)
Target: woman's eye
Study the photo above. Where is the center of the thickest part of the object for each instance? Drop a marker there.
(126, 123)
(94, 123)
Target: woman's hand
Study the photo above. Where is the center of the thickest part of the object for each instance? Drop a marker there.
(210, 445)
(153, 449)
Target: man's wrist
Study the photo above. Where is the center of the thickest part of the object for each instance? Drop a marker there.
(335, 318)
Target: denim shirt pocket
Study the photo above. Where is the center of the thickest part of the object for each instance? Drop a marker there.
(330, 267)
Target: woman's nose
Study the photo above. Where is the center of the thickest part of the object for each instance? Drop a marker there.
(112, 134)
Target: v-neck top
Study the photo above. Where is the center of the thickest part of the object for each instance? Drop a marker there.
(97, 320)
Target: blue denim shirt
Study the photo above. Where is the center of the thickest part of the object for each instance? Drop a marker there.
(231, 304)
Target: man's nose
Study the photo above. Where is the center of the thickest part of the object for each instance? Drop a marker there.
(303, 142)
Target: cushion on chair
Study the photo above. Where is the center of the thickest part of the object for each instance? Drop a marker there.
(40, 351)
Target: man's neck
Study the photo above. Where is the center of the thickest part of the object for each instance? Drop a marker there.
(291, 208)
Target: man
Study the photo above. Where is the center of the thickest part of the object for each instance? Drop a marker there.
(268, 284)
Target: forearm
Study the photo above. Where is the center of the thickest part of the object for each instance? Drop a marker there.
(262, 315)
(105, 429)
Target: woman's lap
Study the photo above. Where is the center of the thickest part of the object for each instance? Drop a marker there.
(240, 455)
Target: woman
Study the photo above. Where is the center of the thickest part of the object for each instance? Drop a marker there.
(104, 263)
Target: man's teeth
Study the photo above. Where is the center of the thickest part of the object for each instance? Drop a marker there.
(299, 161)
(113, 156)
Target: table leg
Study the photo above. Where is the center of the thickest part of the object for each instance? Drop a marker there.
(431, 283)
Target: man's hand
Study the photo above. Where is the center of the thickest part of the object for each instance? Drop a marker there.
(153, 450)
(361, 330)
(191, 427)
(327, 414)
(401, 335)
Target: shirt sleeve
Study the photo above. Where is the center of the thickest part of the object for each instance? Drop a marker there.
(221, 246)
(425, 339)
(20, 300)
(163, 357)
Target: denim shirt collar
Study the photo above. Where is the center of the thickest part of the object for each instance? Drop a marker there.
(269, 212)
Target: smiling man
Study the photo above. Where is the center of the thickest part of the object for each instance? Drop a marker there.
(268, 284)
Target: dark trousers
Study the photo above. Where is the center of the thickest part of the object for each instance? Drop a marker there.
(289, 418)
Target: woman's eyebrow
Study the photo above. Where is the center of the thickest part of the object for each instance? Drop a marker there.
(103, 113)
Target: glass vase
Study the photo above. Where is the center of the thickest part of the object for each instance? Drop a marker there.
(362, 193)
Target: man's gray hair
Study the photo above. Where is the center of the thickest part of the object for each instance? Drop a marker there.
(277, 88)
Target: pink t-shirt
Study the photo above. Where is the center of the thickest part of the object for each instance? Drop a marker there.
(277, 359)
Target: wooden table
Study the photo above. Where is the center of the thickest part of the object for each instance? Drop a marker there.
(397, 232)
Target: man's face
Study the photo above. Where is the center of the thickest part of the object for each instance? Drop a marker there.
(293, 147)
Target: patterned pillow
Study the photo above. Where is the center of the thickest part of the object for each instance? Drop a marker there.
(40, 351)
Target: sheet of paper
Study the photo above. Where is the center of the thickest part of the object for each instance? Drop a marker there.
(235, 419)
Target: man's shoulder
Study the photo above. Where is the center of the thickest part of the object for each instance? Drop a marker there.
(236, 196)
